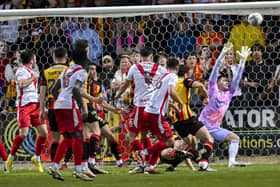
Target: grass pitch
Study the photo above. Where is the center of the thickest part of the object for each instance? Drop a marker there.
(260, 175)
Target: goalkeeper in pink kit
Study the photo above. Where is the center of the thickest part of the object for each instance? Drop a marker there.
(220, 92)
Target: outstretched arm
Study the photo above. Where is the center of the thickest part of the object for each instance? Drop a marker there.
(214, 74)
(245, 52)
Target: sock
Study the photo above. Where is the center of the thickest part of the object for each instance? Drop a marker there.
(53, 149)
(16, 144)
(91, 160)
(233, 150)
(136, 145)
(61, 149)
(85, 150)
(155, 151)
(146, 144)
(3, 152)
(207, 150)
(68, 154)
(157, 147)
(77, 147)
(93, 145)
(39, 145)
(78, 168)
(154, 158)
(116, 150)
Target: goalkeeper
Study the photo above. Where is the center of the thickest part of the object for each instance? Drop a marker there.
(220, 92)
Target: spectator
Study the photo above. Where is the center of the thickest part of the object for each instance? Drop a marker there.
(5, 59)
(258, 74)
(9, 28)
(183, 40)
(206, 61)
(130, 37)
(106, 72)
(121, 72)
(245, 34)
(10, 71)
(194, 70)
(275, 81)
(209, 37)
(51, 40)
(92, 36)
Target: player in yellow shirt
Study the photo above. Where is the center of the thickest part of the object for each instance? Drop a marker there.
(48, 78)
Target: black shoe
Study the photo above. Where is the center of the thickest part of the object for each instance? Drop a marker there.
(170, 169)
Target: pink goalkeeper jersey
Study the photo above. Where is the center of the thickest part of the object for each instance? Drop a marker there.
(29, 93)
(159, 101)
(144, 75)
(213, 113)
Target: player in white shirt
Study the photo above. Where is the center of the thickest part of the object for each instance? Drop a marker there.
(144, 75)
(28, 111)
(154, 112)
(68, 108)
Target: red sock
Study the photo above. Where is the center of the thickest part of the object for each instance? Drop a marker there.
(155, 151)
(77, 148)
(40, 142)
(157, 147)
(153, 158)
(136, 145)
(61, 149)
(3, 152)
(147, 143)
(16, 144)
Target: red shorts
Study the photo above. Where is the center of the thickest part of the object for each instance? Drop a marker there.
(68, 120)
(136, 119)
(29, 115)
(157, 125)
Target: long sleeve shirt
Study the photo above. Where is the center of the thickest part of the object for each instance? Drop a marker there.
(219, 100)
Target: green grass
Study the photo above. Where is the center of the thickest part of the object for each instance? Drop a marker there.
(267, 175)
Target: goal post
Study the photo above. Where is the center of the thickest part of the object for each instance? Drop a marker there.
(174, 30)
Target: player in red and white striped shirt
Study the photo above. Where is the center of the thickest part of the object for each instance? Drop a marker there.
(144, 75)
(155, 111)
(28, 109)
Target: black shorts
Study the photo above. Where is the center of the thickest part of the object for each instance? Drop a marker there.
(92, 114)
(52, 120)
(186, 127)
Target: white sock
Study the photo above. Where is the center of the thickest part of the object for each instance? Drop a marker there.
(119, 162)
(144, 152)
(11, 156)
(233, 150)
(78, 168)
(37, 157)
(55, 166)
(84, 165)
(91, 160)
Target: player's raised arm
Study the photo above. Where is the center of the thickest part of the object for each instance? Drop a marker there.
(214, 74)
(245, 52)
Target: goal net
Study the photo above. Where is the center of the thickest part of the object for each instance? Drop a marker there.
(171, 30)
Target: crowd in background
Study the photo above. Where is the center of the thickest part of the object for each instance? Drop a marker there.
(195, 39)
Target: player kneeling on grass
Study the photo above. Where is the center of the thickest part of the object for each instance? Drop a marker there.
(220, 92)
